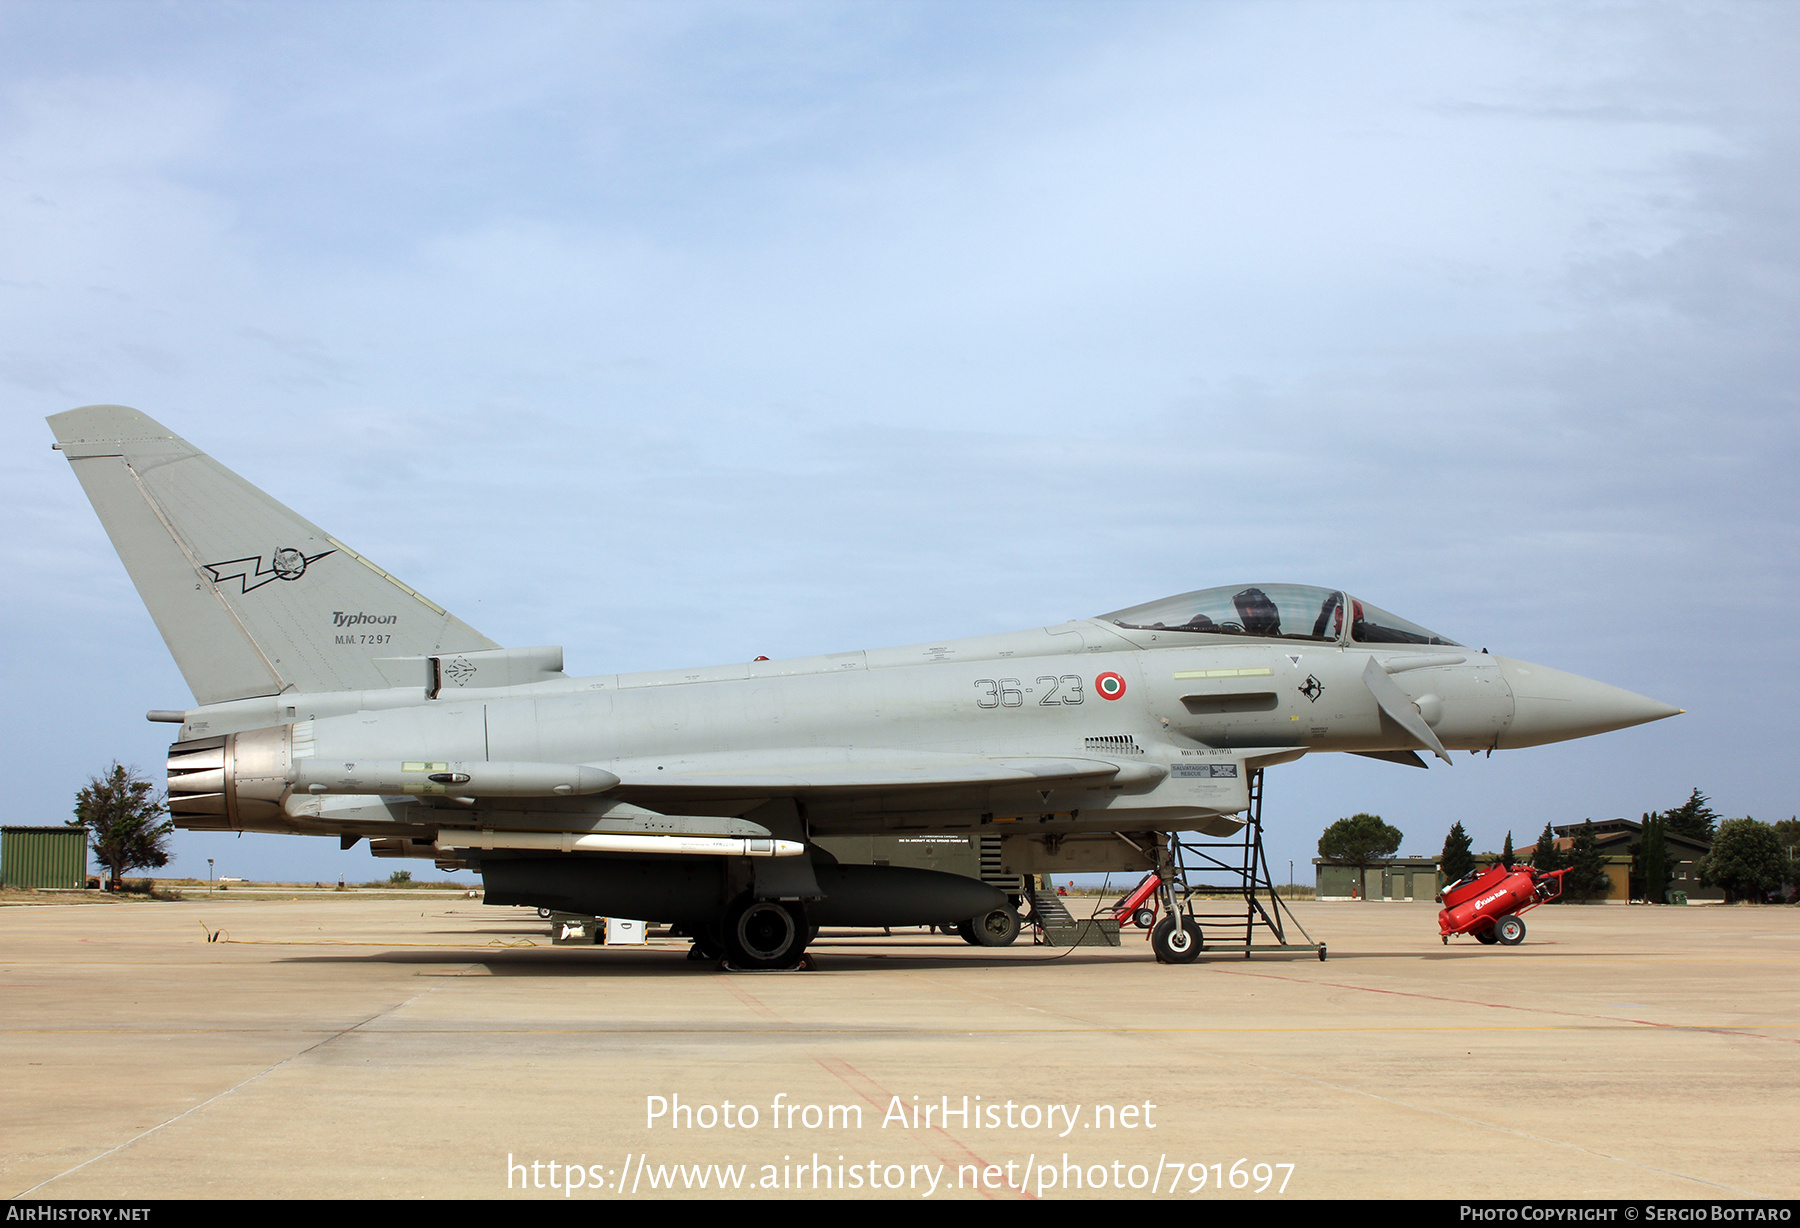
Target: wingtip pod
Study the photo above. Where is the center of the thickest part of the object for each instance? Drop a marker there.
(1550, 705)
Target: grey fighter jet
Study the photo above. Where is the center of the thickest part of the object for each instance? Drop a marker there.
(333, 699)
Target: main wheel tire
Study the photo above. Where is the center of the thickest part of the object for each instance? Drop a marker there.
(1176, 944)
(1510, 931)
(965, 930)
(994, 929)
(765, 933)
(1487, 937)
(1144, 918)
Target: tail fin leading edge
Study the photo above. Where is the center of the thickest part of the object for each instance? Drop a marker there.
(251, 598)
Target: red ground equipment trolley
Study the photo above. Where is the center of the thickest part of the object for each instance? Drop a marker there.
(1487, 904)
(1137, 906)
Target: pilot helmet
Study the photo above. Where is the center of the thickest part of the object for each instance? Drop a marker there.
(1257, 613)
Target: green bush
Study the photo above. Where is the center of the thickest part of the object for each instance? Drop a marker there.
(1747, 860)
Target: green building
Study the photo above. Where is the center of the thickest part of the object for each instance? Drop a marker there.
(1386, 878)
(43, 857)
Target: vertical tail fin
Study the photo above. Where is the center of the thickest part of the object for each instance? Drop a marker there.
(250, 598)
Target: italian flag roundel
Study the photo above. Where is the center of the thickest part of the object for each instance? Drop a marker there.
(1110, 686)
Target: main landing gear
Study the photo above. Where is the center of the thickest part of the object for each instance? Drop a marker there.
(994, 929)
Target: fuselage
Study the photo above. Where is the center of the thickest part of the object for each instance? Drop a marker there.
(1169, 724)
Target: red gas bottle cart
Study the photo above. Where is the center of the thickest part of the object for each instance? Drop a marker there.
(1487, 904)
(1137, 906)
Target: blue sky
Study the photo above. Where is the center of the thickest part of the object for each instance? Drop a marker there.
(684, 333)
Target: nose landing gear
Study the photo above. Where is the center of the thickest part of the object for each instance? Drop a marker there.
(1176, 943)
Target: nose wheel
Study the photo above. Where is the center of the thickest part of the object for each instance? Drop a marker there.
(1176, 940)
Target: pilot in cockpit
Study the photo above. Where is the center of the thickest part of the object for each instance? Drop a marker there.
(1256, 613)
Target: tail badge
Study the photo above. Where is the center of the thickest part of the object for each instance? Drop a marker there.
(286, 563)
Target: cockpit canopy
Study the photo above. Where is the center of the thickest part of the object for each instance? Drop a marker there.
(1275, 611)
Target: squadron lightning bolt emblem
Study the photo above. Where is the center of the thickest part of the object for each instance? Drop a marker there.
(286, 563)
(1312, 688)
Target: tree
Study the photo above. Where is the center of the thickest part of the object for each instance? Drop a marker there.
(1651, 865)
(1546, 856)
(1586, 879)
(1506, 854)
(1457, 860)
(1787, 831)
(1358, 840)
(1746, 859)
(1693, 817)
(121, 815)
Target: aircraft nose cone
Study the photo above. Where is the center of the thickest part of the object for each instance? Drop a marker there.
(1551, 706)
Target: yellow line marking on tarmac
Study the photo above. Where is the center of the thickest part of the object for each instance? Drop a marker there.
(890, 1029)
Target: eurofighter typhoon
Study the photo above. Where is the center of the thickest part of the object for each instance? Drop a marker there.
(333, 699)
